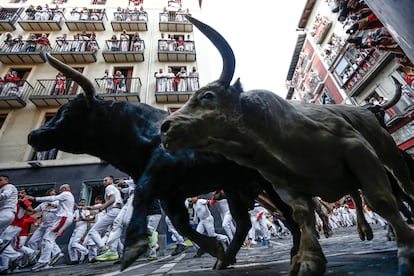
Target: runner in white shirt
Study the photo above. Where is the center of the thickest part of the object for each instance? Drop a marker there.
(8, 206)
(113, 204)
(81, 226)
(206, 221)
(219, 199)
(48, 218)
(64, 213)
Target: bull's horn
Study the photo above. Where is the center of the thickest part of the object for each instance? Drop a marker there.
(222, 46)
(76, 76)
(397, 95)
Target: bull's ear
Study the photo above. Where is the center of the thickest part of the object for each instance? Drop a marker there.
(237, 86)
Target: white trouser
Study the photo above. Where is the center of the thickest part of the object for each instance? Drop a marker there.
(6, 217)
(261, 225)
(228, 225)
(49, 238)
(9, 254)
(114, 242)
(207, 225)
(178, 238)
(37, 237)
(101, 226)
(152, 225)
(19, 245)
(74, 243)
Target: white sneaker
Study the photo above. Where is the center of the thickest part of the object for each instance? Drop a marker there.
(56, 258)
(40, 266)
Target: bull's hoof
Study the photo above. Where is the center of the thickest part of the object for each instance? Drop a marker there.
(365, 232)
(223, 264)
(132, 252)
(405, 261)
(328, 234)
(308, 263)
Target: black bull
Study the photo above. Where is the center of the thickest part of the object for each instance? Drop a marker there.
(128, 137)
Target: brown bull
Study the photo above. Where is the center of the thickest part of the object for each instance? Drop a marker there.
(303, 149)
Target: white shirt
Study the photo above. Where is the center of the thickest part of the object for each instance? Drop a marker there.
(201, 209)
(112, 190)
(8, 197)
(48, 212)
(81, 214)
(223, 207)
(66, 203)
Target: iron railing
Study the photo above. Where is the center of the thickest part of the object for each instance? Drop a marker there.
(21, 89)
(63, 45)
(17, 46)
(178, 84)
(124, 45)
(131, 16)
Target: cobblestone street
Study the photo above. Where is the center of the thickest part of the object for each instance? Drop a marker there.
(345, 252)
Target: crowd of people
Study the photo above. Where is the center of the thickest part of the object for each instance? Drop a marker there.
(30, 226)
(181, 81)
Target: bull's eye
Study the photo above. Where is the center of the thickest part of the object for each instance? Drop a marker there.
(208, 95)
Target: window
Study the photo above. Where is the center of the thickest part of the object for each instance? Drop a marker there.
(49, 154)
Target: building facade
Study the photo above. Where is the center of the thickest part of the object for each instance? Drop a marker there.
(148, 48)
(326, 68)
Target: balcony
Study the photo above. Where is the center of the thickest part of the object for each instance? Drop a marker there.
(168, 51)
(90, 20)
(8, 18)
(14, 95)
(169, 22)
(175, 90)
(123, 51)
(36, 21)
(402, 109)
(45, 93)
(134, 21)
(75, 51)
(23, 52)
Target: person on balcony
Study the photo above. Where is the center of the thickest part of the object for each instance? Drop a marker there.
(124, 37)
(60, 83)
(74, 14)
(84, 14)
(164, 15)
(63, 43)
(8, 42)
(162, 43)
(193, 80)
(161, 81)
(188, 44)
(114, 43)
(76, 44)
(57, 14)
(170, 80)
(30, 12)
(142, 15)
(17, 44)
(109, 82)
(136, 42)
(119, 81)
(43, 42)
(182, 80)
(180, 44)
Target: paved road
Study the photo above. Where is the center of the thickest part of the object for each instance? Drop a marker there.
(346, 254)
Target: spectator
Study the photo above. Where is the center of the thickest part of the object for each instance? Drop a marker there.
(124, 37)
(182, 80)
(43, 42)
(119, 81)
(60, 84)
(193, 80)
(109, 82)
(114, 44)
(31, 43)
(136, 42)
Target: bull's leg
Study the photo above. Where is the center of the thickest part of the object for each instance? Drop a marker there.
(178, 215)
(289, 221)
(377, 189)
(364, 229)
(310, 259)
(136, 242)
(241, 216)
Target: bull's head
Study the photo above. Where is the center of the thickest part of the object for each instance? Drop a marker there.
(213, 109)
(68, 130)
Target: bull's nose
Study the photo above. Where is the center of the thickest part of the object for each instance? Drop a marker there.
(165, 127)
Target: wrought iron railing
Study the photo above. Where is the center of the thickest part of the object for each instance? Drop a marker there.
(131, 16)
(124, 45)
(63, 45)
(16, 46)
(176, 84)
(21, 89)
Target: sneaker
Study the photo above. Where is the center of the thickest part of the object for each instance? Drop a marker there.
(56, 258)
(32, 258)
(40, 266)
(109, 255)
(152, 258)
(72, 263)
(3, 245)
(153, 239)
(179, 249)
(103, 249)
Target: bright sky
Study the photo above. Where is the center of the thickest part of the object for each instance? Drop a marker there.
(262, 34)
